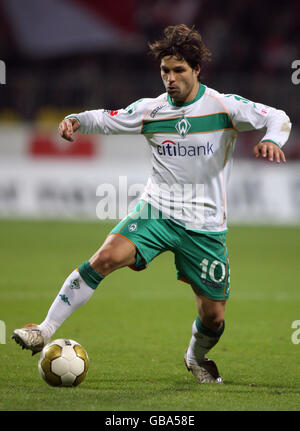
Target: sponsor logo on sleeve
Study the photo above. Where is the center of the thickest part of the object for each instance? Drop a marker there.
(132, 108)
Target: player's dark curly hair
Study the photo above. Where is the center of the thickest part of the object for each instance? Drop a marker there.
(184, 43)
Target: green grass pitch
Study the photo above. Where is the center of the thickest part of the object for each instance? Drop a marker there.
(137, 325)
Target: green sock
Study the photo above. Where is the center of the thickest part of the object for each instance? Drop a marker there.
(202, 341)
(89, 275)
(206, 331)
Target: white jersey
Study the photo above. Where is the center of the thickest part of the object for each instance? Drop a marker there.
(192, 147)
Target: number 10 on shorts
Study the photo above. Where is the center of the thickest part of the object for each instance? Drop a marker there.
(210, 269)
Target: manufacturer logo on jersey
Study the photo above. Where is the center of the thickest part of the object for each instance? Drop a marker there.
(155, 110)
(183, 126)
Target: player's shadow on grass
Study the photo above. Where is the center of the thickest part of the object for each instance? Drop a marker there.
(188, 383)
(252, 387)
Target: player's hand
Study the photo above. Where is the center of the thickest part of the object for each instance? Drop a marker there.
(67, 127)
(269, 150)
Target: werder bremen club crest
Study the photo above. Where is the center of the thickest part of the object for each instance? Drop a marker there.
(183, 126)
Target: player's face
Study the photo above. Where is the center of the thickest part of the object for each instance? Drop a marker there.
(180, 80)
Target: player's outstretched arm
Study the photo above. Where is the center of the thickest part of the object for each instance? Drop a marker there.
(67, 127)
(269, 150)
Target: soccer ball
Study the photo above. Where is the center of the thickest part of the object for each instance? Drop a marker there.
(63, 362)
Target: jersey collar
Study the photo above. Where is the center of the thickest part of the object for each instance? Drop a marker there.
(199, 94)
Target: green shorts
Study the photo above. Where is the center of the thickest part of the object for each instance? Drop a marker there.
(201, 259)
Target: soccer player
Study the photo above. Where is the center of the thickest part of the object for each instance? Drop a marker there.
(191, 130)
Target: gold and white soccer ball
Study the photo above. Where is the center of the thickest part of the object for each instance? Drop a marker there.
(63, 362)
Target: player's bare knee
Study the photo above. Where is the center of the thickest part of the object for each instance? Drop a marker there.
(104, 261)
(218, 324)
(213, 320)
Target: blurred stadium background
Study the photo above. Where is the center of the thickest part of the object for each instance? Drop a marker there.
(65, 56)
